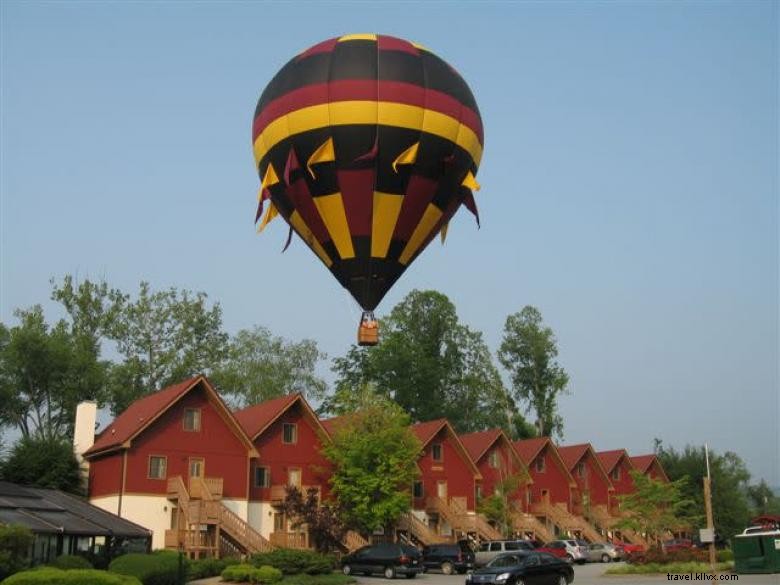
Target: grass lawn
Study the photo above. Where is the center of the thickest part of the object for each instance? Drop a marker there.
(663, 568)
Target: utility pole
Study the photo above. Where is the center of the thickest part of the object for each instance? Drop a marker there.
(708, 511)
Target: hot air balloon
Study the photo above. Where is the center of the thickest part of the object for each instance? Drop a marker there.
(366, 145)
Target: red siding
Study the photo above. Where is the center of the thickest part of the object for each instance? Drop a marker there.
(453, 469)
(508, 466)
(278, 456)
(105, 475)
(624, 485)
(655, 472)
(594, 483)
(553, 479)
(224, 454)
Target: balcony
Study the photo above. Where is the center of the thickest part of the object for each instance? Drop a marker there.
(279, 492)
(296, 540)
(207, 488)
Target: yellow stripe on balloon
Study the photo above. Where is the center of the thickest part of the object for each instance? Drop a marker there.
(331, 208)
(270, 214)
(303, 230)
(429, 220)
(387, 207)
(367, 112)
(358, 37)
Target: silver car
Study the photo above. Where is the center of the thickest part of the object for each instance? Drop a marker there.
(603, 552)
(490, 549)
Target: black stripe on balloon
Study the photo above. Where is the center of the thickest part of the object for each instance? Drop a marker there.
(293, 75)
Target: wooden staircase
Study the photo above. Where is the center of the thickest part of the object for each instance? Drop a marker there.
(474, 523)
(205, 526)
(353, 541)
(418, 530)
(607, 521)
(529, 525)
(566, 521)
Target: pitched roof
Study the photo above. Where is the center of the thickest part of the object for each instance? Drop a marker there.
(53, 512)
(478, 443)
(644, 462)
(144, 411)
(125, 426)
(571, 454)
(528, 449)
(609, 459)
(425, 431)
(331, 425)
(255, 419)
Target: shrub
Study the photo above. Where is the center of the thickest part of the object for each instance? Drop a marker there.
(15, 541)
(659, 557)
(332, 579)
(54, 576)
(251, 574)
(210, 567)
(725, 555)
(67, 562)
(158, 568)
(293, 562)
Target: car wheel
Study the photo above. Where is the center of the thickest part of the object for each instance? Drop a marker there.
(604, 558)
(446, 568)
(346, 569)
(569, 559)
(389, 573)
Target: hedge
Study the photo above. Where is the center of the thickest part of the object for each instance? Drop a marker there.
(67, 562)
(332, 579)
(251, 574)
(53, 576)
(664, 568)
(294, 562)
(209, 567)
(159, 568)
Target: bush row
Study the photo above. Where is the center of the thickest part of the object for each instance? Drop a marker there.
(54, 576)
(251, 574)
(67, 562)
(202, 568)
(294, 562)
(158, 568)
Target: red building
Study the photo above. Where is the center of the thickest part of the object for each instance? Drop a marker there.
(650, 466)
(592, 480)
(182, 437)
(618, 466)
(289, 438)
(552, 481)
(497, 461)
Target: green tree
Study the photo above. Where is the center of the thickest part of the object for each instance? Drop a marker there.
(164, 336)
(15, 543)
(528, 351)
(261, 366)
(47, 462)
(430, 364)
(45, 371)
(730, 507)
(655, 507)
(763, 500)
(497, 507)
(374, 457)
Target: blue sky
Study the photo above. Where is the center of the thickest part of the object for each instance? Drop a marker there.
(630, 187)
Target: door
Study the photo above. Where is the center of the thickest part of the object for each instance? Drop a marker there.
(545, 496)
(294, 477)
(197, 467)
(441, 490)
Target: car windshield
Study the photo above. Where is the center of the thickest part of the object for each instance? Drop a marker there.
(506, 560)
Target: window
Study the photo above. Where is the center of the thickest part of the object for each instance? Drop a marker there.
(280, 524)
(479, 492)
(157, 467)
(616, 474)
(417, 489)
(436, 453)
(294, 477)
(289, 433)
(581, 469)
(262, 477)
(494, 460)
(495, 546)
(192, 419)
(512, 546)
(197, 466)
(539, 463)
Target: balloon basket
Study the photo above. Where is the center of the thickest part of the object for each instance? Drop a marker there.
(368, 331)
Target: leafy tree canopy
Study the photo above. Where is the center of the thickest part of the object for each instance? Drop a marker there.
(43, 462)
(261, 366)
(374, 456)
(431, 365)
(528, 351)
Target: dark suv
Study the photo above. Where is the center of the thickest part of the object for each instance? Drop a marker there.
(386, 558)
(448, 557)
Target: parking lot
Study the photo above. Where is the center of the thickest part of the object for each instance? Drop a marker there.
(590, 574)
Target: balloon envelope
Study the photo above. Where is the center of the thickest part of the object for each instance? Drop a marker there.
(367, 145)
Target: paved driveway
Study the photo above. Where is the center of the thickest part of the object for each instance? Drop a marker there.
(590, 574)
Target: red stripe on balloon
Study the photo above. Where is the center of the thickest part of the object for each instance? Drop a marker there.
(394, 44)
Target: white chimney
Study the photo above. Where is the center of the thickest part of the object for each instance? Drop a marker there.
(84, 431)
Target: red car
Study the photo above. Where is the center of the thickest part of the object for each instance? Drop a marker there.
(676, 544)
(628, 548)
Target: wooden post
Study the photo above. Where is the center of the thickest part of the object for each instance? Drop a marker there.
(708, 512)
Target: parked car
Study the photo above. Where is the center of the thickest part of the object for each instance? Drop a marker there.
(490, 549)
(448, 557)
(628, 548)
(566, 549)
(385, 558)
(676, 544)
(604, 552)
(523, 567)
